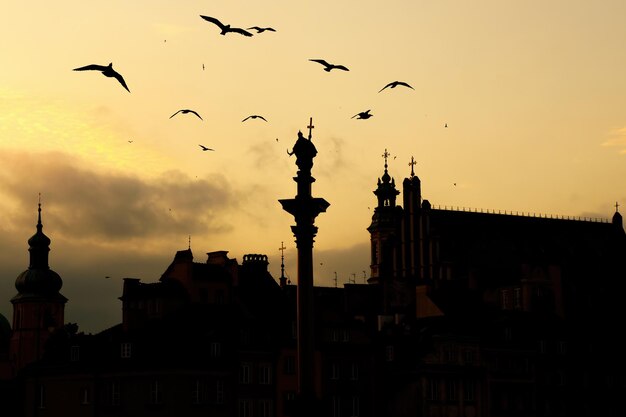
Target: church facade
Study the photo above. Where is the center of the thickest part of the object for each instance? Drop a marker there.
(464, 314)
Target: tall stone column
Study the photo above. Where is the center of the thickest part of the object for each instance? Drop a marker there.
(305, 209)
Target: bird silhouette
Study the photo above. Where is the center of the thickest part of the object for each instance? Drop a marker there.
(204, 148)
(328, 67)
(254, 116)
(363, 115)
(107, 71)
(261, 30)
(394, 84)
(446, 125)
(184, 111)
(225, 28)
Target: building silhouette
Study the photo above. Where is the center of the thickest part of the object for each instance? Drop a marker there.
(465, 313)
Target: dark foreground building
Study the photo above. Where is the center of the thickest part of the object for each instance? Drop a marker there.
(465, 314)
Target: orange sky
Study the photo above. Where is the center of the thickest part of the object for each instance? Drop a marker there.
(533, 94)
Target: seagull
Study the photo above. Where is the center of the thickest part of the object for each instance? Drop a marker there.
(130, 141)
(204, 148)
(254, 116)
(328, 67)
(186, 111)
(446, 125)
(261, 30)
(107, 71)
(225, 28)
(394, 84)
(363, 115)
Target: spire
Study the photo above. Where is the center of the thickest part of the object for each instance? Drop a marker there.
(617, 217)
(39, 244)
(282, 280)
(386, 190)
(38, 279)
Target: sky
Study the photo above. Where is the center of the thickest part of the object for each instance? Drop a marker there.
(533, 94)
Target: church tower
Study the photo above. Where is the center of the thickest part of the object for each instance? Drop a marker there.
(38, 307)
(386, 258)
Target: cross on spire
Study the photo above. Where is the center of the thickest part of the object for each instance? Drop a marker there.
(310, 126)
(616, 206)
(386, 155)
(412, 164)
(282, 250)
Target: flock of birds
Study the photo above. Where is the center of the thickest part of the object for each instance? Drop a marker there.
(108, 71)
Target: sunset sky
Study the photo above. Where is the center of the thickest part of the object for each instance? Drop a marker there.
(533, 94)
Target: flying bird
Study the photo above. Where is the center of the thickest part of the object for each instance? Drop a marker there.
(225, 28)
(261, 30)
(394, 84)
(446, 125)
(184, 111)
(107, 71)
(204, 148)
(254, 116)
(328, 67)
(363, 115)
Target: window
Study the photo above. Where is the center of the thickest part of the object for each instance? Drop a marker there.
(334, 370)
(452, 391)
(469, 390)
(469, 357)
(508, 334)
(219, 392)
(74, 353)
(543, 346)
(354, 371)
(244, 373)
(355, 406)
(562, 347)
(334, 335)
(506, 299)
(219, 296)
(450, 354)
(245, 408)
(125, 350)
(265, 374)
(345, 335)
(156, 395)
(113, 393)
(433, 389)
(389, 353)
(266, 408)
(41, 396)
(85, 396)
(198, 392)
(216, 349)
(290, 365)
(517, 298)
(336, 406)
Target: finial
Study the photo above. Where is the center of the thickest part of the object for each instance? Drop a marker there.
(335, 279)
(616, 207)
(310, 126)
(385, 155)
(39, 212)
(412, 164)
(189, 247)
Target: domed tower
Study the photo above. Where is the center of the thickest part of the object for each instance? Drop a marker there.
(384, 230)
(38, 307)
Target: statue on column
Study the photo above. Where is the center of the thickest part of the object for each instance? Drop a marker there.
(305, 152)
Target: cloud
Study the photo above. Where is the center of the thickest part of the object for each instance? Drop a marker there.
(84, 203)
(617, 139)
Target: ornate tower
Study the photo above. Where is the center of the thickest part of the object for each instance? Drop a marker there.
(38, 307)
(305, 209)
(412, 253)
(386, 257)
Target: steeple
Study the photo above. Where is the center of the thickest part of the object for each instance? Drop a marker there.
(386, 190)
(617, 217)
(38, 279)
(38, 307)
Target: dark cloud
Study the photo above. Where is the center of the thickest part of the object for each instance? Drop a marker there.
(86, 203)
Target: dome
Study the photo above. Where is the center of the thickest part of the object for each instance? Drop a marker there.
(38, 281)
